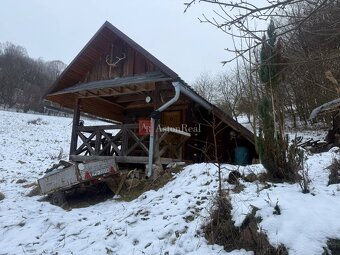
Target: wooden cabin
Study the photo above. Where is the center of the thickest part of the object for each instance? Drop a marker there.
(331, 108)
(114, 78)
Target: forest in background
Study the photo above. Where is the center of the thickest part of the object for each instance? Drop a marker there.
(305, 56)
(24, 80)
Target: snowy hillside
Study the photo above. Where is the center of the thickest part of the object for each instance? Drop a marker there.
(164, 222)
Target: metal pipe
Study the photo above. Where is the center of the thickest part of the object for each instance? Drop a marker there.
(155, 115)
(196, 98)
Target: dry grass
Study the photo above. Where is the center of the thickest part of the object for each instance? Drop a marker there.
(29, 185)
(34, 192)
(333, 247)
(334, 168)
(20, 181)
(2, 196)
(221, 230)
(37, 121)
(129, 193)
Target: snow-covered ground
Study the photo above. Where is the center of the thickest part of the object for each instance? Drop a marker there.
(164, 222)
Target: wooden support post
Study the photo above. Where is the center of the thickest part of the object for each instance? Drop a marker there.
(125, 141)
(156, 157)
(76, 117)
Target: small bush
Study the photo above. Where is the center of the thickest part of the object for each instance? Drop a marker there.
(221, 229)
(295, 161)
(131, 192)
(2, 196)
(234, 176)
(277, 209)
(37, 121)
(58, 156)
(250, 177)
(34, 192)
(334, 176)
(284, 167)
(20, 181)
(304, 180)
(333, 247)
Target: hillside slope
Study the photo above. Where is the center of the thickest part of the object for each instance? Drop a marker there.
(164, 222)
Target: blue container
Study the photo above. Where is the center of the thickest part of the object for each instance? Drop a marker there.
(242, 156)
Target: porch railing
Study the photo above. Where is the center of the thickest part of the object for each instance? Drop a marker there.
(109, 140)
(123, 140)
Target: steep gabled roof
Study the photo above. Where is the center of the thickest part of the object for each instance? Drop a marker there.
(88, 56)
(328, 107)
(116, 82)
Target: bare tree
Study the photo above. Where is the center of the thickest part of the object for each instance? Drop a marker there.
(230, 93)
(24, 80)
(232, 17)
(205, 86)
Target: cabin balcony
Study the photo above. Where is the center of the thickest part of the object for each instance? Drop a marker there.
(127, 144)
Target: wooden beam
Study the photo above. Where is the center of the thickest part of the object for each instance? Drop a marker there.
(138, 105)
(138, 141)
(76, 117)
(85, 142)
(121, 159)
(130, 98)
(119, 91)
(130, 88)
(102, 109)
(110, 143)
(110, 102)
(106, 127)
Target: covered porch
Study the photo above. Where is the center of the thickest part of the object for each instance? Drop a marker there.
(126, 144)
(115, 79)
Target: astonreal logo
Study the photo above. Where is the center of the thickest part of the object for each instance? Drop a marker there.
(144, 128)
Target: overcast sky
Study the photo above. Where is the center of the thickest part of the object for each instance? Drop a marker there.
(59, 30)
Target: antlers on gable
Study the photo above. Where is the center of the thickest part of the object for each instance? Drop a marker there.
(114, 64)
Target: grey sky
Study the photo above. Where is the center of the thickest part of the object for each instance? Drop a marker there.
(59, 29)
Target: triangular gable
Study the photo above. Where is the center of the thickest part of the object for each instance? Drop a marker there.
(107, 45)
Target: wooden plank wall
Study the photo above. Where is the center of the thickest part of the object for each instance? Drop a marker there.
(134, 63)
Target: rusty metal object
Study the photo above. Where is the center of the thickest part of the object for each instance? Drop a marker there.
(76, 174)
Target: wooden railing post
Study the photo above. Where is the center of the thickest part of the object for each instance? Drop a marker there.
(125, 141)
(98, 142)
(76, 117)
